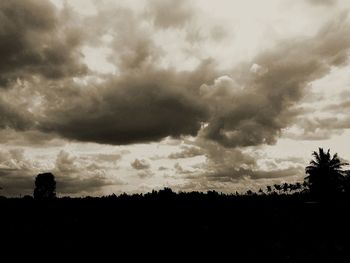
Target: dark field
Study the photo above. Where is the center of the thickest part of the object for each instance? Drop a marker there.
(277, 228)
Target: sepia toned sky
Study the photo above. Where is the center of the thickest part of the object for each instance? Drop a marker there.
(131, 95)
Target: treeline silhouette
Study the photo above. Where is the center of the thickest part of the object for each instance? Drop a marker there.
(288, 222)
(325, 179)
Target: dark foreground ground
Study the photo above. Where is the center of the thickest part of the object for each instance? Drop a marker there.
(278, 229)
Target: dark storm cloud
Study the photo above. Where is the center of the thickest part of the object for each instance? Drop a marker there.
(254, 108)
(142, 106)
(34, 39)
(144, 102)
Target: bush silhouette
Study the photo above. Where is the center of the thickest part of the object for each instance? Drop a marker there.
(45, 186)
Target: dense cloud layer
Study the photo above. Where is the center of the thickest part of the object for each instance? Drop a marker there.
(257, 106)
(36, 39)
(250, 107)
(12, 117)
(141, 107)
(145, 102)
(49, 95)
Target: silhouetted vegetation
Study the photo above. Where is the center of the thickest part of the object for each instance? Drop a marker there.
(45, 186)
(286, 222)
(326, 178)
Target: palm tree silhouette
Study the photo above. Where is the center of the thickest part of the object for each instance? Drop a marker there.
(285, 187)
(277, 187)
(325, 174)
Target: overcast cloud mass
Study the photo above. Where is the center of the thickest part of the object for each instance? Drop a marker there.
(130, 96)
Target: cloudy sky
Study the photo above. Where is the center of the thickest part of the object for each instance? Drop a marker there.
(132, 95)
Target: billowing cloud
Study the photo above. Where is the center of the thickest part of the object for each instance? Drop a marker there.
(66, 163)
(222, 161)
(140, 164)
(148, 106)
(34, 40)
(75, 176)
(229, 170)
(144, 102)
(252, 109)
(187, 152)
(143, 167)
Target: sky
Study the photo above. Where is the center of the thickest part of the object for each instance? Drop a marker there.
(196, 95)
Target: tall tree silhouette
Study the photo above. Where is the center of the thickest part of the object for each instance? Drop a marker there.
(325, 173)
(45, 186)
